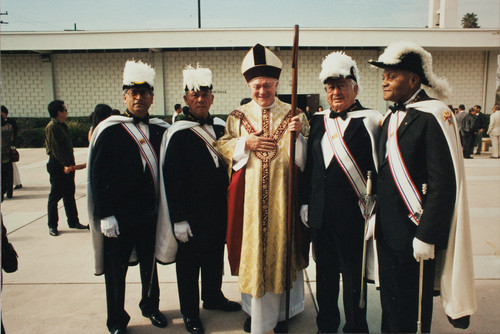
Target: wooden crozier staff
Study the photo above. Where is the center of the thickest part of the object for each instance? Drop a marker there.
(291, 177)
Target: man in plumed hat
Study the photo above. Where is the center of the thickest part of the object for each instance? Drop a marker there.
(341, 152)
(255, 146)
(123, 197)
(422, 211)
(195, 179)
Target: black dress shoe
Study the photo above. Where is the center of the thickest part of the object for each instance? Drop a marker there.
(247, 326)
(225, 305)
(19, 186)
(118, 331)
(193, 325)
(79, 226)
(53, 231)
(281, 327)
(462, 323)
(157, 319)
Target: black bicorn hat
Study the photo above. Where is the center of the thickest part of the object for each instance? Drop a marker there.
(411, 57)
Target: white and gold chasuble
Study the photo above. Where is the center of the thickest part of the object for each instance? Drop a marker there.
(263, 249)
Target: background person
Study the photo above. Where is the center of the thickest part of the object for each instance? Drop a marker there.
(16, 175)
(460, 119)
(61, 168)
(469, 131)
(494, 131)
(7, 144)
(177, 112)
(9, 257)
(101, 112)
(481, 127)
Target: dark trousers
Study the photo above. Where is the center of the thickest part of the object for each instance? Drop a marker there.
(191, 258)
(399, 277)
(61, 186)
(338, 254)
(116, 260)
(7, 179)
(468, 143)
(479, 141)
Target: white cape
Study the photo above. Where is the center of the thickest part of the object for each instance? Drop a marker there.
(166, 244)
(454, 265)
(95, 225)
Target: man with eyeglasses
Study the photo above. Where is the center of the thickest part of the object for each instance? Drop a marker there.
(255, 147)
(61, 168)
(123, 197)
(341, 151)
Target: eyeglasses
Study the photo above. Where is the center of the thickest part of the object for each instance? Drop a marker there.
(266, 86)
(133, 93)
(343, 86)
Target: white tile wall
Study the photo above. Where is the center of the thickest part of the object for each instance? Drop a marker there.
(22, 86)
(83, 80)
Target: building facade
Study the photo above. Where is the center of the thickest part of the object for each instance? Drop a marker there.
(85, 68)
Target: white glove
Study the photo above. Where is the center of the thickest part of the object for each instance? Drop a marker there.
(182, 231)
(422, 250)
(109, 227)
(304, 213)
(370, 229)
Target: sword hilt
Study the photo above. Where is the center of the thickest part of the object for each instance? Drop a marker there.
(424, 188)
(369, 183)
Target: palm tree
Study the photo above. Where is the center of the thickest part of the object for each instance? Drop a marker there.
(470, 21)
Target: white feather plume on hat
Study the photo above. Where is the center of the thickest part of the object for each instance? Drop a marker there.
(194, 78)
(138, 73)
(396, 51)
(339, 65)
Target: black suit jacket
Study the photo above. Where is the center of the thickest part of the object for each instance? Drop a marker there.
(329, 193)
(121, 186)
(195, 188)
(428, 160)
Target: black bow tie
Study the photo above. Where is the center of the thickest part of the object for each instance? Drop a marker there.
(342, 114)
(136, 119)
(187, 115)
(144, 120)
(397, 106)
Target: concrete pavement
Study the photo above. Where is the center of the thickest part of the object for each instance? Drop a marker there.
(55, 291)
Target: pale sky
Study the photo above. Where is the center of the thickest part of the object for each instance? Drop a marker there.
(91, 15)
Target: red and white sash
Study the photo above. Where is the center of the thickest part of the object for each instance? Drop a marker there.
(345, 159)
(407, 190)
(210, 140)
(146, 149)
